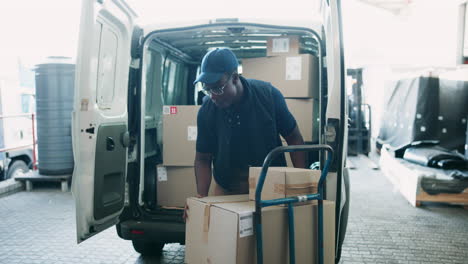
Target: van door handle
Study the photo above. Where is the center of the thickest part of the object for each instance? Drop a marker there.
(125, 139)
(110, 144)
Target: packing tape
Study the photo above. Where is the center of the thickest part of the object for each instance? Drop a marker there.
(253, 185)
(295, 189)
(252, 182)
(206, 222)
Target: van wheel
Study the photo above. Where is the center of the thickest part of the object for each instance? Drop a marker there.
(148, 248)
(17, 168)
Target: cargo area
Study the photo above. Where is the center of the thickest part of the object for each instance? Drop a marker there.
(285, 57)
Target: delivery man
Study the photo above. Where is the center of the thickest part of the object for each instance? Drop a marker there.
(239, 123)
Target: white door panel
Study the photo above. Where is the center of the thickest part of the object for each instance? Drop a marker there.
(333, 58)
(100, 115)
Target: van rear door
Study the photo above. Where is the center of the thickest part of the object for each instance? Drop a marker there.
(99, 123)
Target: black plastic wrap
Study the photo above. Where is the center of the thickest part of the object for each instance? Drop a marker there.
(453, 111)
(425, 108)
(411, 112)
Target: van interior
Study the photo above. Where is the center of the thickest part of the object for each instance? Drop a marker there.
(170, 61)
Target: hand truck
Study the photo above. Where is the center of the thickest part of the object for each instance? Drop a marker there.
(259, 204)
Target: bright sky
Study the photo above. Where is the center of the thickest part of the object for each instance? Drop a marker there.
(36, 29)
(425, 35)
(149, 10)
(33, 30)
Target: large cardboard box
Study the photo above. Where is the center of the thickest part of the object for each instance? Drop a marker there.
(179, 134)
(295, 76)
(176, 184)
(281, 46)
(282, 182)
(220, 230)
(306, 113)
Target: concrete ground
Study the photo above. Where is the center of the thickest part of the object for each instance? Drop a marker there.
(39, 227)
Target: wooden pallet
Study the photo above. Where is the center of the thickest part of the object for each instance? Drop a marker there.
(34, 176)
(407, 180)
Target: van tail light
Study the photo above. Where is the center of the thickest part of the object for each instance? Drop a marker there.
(137, 232)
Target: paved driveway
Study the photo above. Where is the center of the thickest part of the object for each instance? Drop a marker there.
(39, 227)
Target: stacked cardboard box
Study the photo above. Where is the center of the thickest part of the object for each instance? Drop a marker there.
(176, 177)
(179, 134)
(282, 182)
(220, 229)
(305, 111)
(283, 46)
(295, 75)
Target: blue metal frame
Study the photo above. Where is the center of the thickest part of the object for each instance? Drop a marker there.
(259, 204)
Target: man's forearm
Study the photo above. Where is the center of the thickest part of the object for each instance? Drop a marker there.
(203, 176)
(298, 158)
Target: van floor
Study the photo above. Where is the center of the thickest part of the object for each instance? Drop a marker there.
(39, 227)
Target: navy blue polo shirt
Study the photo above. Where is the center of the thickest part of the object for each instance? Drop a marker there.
(236, 117)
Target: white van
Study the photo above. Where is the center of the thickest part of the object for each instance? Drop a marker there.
(125, 74)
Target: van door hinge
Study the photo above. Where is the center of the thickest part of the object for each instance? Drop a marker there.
(330, 134)
(135, 63)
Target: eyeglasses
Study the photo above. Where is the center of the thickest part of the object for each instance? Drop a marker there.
(216, 91)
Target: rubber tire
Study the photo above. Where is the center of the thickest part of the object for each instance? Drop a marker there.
(148, 248)
(14, 167)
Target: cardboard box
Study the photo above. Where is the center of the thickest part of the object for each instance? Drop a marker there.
(176, 184)
(220, 230)
(282, 182)
(295, 76)
(179, 134)
(281, 46)
(306, 113)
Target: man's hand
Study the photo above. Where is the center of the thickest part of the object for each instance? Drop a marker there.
(186, 209)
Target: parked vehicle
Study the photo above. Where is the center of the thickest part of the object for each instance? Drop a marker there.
(16, 130)
(14, 162)
(125, 74)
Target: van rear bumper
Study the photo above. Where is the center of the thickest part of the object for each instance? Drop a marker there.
(154, 231)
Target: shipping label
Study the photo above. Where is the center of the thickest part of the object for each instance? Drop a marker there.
(246, 224)
(169, 110)
(166, 110)
(162, 174)
(191, 133)
(280, 45)
(293, 68)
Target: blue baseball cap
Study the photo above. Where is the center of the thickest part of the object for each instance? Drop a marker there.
(215, 64)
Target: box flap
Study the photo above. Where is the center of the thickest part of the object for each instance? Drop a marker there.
(222, 199)
(239, 207)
